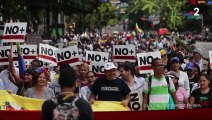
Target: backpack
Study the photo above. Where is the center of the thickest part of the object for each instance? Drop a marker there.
(171, 105)
(66, 108)
(150, 81)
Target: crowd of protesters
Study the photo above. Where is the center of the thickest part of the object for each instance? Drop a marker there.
(183, 75)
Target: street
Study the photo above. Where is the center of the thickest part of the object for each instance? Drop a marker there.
(205, 46)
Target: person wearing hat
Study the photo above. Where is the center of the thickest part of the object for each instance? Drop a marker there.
(109, 87)
(197, 54)
(193, 76)
(164, 56)
(181, 94)
(183, 77)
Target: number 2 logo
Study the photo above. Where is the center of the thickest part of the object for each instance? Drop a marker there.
(196, 10)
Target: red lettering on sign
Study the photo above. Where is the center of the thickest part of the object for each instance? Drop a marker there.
(12, 37)
(145, 68)
(124, 57)
(69, 61)
(16, 58)
(47, 57)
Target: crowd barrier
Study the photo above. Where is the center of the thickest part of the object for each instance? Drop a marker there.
(195, 114)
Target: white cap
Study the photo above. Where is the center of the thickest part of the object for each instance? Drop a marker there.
(109, 66)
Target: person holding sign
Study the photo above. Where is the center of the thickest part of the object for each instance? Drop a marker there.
(109, 87)
(135, 84)
(157, 89)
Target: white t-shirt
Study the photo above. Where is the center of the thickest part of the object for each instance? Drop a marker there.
(184, 81)
(1, 85)
(8, 85)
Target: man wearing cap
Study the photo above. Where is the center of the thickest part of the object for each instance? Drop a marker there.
(109, 87)
(193, 79)
(197, 54)
(163, 56)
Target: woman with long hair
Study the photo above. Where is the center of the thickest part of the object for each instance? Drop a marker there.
(22, 83)
(181, 93)
(39, 89)
(202, 97)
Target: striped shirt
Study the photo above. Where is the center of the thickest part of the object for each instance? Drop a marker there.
(159, 94)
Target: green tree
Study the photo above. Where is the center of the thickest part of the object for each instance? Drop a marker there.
(162, 8)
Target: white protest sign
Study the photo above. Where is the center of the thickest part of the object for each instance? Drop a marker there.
(97, 67)
(29, 53)
(123, 53)
(210, 57)
(69, 55)
(14, 32)
(145, 60)
(45, 64)
(47, 54)
(136, 100)
(4, 52)
(96, 56)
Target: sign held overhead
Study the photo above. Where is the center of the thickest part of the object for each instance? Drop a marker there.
(14, 32)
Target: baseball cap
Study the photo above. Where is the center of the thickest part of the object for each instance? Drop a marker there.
(198, 50)
(172, 74)
(189, 66)
(162, 52)
(109, 66)
(175, 59)
(41, 69)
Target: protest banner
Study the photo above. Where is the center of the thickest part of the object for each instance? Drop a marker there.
(96, 56)
(29, 53)
(136, 99)
(98, 68)
(145, 60)
(47, 54)
(123, 53)
(4, 52)
(69, 55)
(15, 102)
(14, 32)
(12, 102)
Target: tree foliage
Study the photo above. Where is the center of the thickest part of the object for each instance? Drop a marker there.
(162, 8)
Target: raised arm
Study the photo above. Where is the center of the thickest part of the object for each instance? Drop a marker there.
(12, 70)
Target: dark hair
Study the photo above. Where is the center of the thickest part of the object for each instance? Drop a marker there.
(128, 66)
(31, 72)
(92, 73)
(67, 77)
(154, 60)
(206, 76)
(198, 68)
(34, 82)
(36, 60)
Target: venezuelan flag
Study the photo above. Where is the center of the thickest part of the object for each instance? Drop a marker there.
(21, 63)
